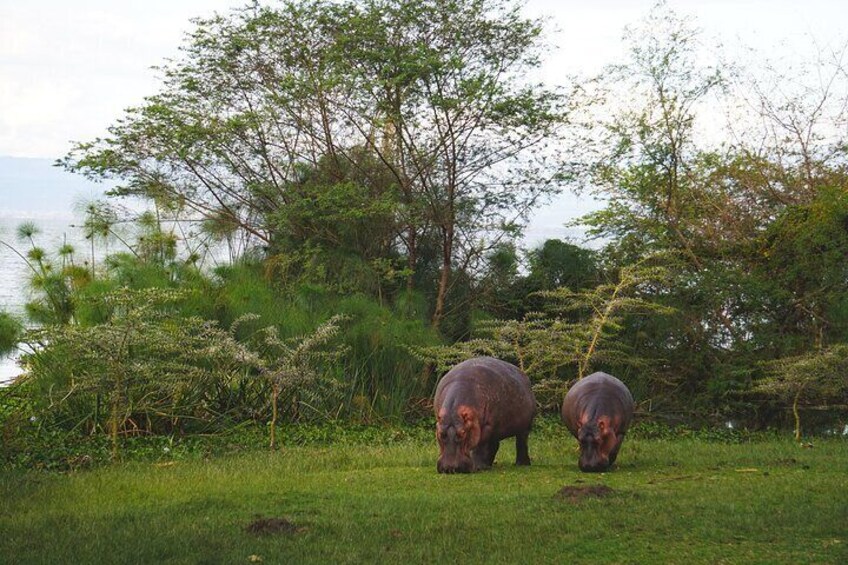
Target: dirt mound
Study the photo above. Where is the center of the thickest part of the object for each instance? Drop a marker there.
(576, 494)
(262, 526)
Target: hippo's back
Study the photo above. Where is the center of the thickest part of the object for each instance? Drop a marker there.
(499, 389)
(485, 372)
(597, 393)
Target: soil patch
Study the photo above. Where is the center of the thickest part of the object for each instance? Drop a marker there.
(264, 526)
(575, 494)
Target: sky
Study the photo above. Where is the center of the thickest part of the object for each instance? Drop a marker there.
(69, 68)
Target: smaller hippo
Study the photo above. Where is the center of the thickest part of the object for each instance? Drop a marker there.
(478, 403)
(597, 410)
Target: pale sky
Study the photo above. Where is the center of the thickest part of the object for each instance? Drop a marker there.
(69, 67)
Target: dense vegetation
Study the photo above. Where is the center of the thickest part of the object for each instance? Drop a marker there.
(362, 170)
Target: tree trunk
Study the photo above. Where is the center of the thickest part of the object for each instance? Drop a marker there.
(113, 421)
(275, 392)
(411, 258)
(796, 414)
(444, 279)
(583, 366)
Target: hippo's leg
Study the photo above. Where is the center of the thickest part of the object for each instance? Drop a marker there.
(522, 455)
(614, 451)
(493, 450)
(484, 454)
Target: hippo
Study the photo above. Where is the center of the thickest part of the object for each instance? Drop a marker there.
(478, 403)
(597, 410)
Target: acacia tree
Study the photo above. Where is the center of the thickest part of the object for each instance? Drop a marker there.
(641, 153)
(467, 137)
(577, 330)
(435, 91)
(800, 112)
(645, 157)
(754, 211)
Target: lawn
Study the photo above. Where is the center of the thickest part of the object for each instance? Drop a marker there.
(679, 501)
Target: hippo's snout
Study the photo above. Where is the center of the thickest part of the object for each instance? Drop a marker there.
(454, 467)
(599, 465)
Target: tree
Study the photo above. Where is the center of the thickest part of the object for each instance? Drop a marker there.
(642, 153)
(557, 263)
(816, 376)
(801, 255)
(791, 125)
(502, 290)
(435, 91)
(459, 119)
(292, 364)
(755, 218)
(644, 156)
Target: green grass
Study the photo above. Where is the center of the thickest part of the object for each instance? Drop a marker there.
(680, 501)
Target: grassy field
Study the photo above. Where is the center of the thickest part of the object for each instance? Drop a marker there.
(681, 501)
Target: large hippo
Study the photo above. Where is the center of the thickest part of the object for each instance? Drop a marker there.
(597, 410)
(478, 403)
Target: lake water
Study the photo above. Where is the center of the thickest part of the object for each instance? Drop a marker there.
(35, 190)
(14, 272)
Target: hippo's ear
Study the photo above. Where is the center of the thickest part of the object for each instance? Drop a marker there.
(471, 423)
(602, 426)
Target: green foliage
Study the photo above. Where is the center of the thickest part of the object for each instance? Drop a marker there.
(74, 378)
(820, 376)
(378, 378)
(51, 285)
(66, 291)
(295, 366)
(577, 331)
(30, 444)
(347, 205)
(607, 305)
(97, 225)
(757, 229)
(375, 160)
(803, 257)
(385, 379)
(11, 330)
(145, 369)
(557, 264)
(504, 291)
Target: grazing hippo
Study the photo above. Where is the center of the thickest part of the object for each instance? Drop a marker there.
(478, 403)
(598, 410)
